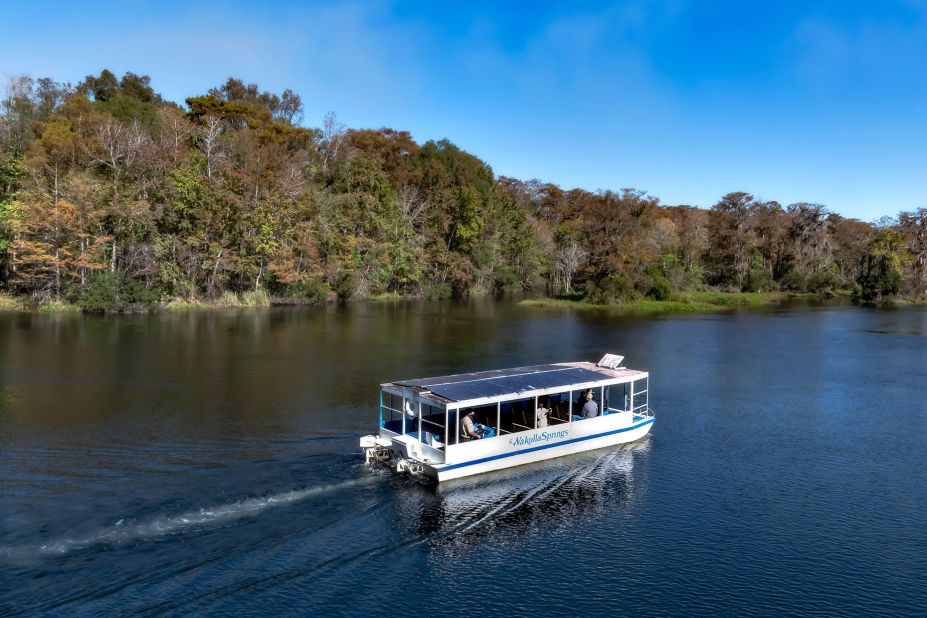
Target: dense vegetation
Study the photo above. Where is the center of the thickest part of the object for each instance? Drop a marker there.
(113, 198)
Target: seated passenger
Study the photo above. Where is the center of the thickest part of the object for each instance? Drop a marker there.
(467, 430)
(542, 412)
(590, 408)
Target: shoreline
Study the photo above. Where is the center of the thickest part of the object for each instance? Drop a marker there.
(678, 303)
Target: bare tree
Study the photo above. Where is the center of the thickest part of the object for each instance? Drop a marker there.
(568, 259)
(209, 141)
(413, 205)
(117, 147)
(176, 128)
(335, 144)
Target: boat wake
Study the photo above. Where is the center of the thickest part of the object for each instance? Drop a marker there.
(539, 500)
(123, 533)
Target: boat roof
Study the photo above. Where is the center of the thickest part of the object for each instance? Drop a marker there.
(510, 383)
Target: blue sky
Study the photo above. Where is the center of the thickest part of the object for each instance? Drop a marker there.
(794, 101)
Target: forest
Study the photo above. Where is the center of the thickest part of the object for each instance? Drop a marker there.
(112, 198)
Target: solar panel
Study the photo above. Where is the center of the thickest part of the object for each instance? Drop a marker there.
(478, 375)
(503, 385)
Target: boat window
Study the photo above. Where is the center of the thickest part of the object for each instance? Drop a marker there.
(392, 412)
(487, 416)
(618, 398)
(559, 409)
(433, 426)
(517, 415)
(579, 402)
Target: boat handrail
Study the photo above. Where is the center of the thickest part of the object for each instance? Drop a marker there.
(643, 410)
(425, 420)
(385, 407)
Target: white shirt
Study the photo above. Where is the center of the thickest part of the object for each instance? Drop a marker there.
(542, 413)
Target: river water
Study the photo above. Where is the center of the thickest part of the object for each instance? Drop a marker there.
(207, 463)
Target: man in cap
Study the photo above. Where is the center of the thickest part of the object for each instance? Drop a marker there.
(590, 408)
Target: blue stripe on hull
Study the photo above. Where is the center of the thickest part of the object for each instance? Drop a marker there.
(538, 448)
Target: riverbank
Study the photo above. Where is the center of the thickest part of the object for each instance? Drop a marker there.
(680, 302)
(19, 303)
(228, 300)
(684, 302)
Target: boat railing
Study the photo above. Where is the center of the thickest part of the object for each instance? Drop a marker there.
(391, 409)
(642, 411)
(427, 422)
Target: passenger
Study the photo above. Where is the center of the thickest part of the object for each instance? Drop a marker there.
(467, 430)
(590, 408)
(543, 412)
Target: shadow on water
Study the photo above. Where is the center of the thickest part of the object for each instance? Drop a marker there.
(506, 505)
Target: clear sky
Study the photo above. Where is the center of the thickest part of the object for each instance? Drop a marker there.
(793, 101)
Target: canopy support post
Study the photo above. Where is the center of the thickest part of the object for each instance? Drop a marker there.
(570, 413)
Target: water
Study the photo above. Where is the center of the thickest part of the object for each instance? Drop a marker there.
(208, 464)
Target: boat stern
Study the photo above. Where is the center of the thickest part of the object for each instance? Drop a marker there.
(404, 453)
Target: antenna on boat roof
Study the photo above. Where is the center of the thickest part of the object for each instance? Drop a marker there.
(610, 361)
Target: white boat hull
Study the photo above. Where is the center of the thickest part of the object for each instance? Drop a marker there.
(582, 436)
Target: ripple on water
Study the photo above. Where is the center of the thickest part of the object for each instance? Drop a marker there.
(785, 473)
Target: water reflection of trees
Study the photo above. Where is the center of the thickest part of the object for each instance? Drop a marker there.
(510, 504)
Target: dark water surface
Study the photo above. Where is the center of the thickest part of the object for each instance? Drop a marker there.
(208, 464)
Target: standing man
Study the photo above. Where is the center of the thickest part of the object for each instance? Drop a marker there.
(590, 408)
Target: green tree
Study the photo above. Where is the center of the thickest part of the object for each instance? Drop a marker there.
(881, 275)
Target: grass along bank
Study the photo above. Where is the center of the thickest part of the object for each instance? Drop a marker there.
(228, 300)
(680, 302)
(25, 303)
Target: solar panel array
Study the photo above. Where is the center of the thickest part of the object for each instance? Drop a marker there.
(479, 375)
(462, 390)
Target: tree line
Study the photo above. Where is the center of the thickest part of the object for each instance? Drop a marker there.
(113, 198)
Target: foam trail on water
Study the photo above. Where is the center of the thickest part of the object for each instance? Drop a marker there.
(121, 533)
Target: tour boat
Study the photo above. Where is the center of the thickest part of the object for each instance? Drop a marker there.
(521, 415)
